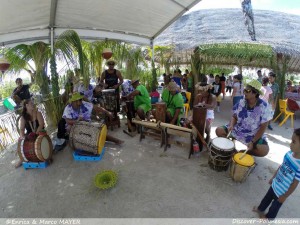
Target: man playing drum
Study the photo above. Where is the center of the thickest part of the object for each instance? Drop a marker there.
(79, 110)
(142, 102)
(113, 79)
(249, 121)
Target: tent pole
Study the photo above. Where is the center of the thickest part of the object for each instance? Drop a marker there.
(52, 39)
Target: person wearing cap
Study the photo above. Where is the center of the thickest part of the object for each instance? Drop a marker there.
(112, 79)
(275, 94)
(142, 103)
(173, 98)
(249, 121)
(21, 92)
(78, 110)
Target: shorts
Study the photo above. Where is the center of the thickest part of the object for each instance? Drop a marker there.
(144, 107)
(261, 141)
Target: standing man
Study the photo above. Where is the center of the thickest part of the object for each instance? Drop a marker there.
(21, 92)
(275, 94)
(112, 79)
(259, 76)
(222, 81)
(142, 103)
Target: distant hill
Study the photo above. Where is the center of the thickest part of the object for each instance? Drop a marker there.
(280, 30)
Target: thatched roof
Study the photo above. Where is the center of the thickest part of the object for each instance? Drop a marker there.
(279, 30)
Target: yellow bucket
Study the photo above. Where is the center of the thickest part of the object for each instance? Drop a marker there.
(241, 168)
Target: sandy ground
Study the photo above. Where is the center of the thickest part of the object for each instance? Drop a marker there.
(151, 184)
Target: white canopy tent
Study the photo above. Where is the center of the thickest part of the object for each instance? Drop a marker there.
(135, 21)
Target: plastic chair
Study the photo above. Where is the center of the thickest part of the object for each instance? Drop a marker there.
(187, 105)
(293, 105)
(285, 112)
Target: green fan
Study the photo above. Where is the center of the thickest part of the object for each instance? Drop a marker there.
(106, 179)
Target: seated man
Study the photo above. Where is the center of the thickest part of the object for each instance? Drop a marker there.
(142, 103)
(249, 121)
(86, 91)
(173, 98)
(75, 111)
(21, 92)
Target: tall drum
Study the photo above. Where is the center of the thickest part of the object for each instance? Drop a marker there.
(160, 114)
(130, 112)
(88, 136)
(110, 100)
(199, 120)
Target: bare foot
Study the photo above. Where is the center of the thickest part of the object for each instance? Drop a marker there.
(18, 164)
(260, 214)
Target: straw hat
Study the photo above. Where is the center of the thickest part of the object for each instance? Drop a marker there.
(76, 96)
(256, 85)
(111, 61)
(203, 86)
(172, 86)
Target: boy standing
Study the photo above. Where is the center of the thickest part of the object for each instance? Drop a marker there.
(284, 182)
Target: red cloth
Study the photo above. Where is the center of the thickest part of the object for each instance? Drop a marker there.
(154, 94)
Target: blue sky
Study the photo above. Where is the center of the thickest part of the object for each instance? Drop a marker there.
(287, 6)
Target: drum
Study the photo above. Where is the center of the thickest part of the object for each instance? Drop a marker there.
(38, 150)
(160, 114)
(220, 153)
(88, 136)
(130, 111)
(110, 100)
(241, 168)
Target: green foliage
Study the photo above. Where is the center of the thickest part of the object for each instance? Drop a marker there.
(256, 55)
(217, 70)
(6, 90)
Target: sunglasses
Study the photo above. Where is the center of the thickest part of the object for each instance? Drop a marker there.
(110, 64)
(249, 90)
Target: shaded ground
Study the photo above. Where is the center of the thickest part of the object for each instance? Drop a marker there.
(151, 184)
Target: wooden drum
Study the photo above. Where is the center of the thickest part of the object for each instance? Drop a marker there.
(160, 114)
(88, 136)
(130, 112)
(220, 153)
(38, 149)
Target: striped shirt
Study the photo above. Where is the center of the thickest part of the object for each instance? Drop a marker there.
(288, 171)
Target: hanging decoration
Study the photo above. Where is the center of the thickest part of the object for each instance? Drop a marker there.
(249, 18)
(107, 53)
(4, 64)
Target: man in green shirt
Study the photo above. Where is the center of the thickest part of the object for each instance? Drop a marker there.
(173, 98)
(142, 102)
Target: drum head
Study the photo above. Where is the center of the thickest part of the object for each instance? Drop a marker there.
(223, 143)
(247, 160)
(45, 148)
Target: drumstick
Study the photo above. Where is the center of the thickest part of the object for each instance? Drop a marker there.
(199, 135)
(244, 154)
(228, 135)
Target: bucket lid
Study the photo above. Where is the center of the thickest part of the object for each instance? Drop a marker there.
(247, 160)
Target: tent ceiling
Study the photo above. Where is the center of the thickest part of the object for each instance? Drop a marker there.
(137, 21)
